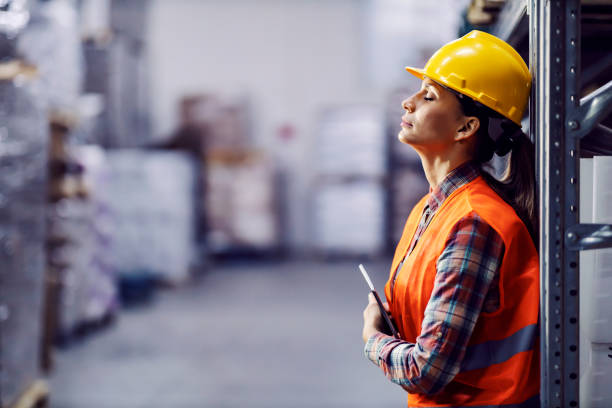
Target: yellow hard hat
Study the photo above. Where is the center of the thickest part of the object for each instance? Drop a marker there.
(485, 68)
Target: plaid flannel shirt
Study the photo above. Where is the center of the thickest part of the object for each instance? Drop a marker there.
(466, 284)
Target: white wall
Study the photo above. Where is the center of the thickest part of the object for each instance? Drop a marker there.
(289, 56)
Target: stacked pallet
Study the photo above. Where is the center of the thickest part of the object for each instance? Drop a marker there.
(349, 190)
(150, 195)
(23, 152)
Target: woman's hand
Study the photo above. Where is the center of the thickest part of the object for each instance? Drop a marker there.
(373, 321)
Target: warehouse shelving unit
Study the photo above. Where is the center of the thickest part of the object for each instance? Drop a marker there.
(565, 126)
(560, 118)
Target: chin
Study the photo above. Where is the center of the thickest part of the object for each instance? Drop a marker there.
(404, 138)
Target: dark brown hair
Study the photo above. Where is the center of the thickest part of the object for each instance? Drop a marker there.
(499, 135)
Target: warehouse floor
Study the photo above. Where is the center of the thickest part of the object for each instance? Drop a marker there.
(247, 335)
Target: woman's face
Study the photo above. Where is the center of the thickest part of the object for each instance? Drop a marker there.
(432, 119)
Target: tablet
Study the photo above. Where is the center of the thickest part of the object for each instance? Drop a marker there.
(391, 327)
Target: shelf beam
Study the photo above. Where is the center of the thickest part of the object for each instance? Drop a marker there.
(594, 70)
(597, 142)
(589, 236)
(593, 108)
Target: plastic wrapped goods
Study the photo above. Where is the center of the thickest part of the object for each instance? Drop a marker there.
(52, 42)
(351, 141)
(23, 163)
(349, 218)
(241, 202)
(129, 18)
(13, 18)
(127, 99)
(79, 225)
(101, 293)
(213, 123)
(69, 221)
(95, 18)
(151, 196)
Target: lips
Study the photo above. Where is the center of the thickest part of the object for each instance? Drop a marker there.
(405, 123)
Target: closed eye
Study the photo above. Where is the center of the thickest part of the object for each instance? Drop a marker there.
(428, 99)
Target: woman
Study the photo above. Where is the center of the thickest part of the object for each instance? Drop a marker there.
(463, 288)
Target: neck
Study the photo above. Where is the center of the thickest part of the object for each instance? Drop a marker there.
(437, 167)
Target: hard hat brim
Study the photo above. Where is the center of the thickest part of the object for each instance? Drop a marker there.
(417, 72)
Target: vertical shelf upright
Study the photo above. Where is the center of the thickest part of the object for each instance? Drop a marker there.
(560, 118)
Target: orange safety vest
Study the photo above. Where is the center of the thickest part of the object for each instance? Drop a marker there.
(502, 363)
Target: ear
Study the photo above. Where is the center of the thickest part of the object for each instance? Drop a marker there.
(471, 124)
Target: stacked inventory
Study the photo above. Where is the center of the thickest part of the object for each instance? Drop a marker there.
(349, 197)
(115, 78)
(595, 285)
(101, 301)
(150, 195)
(23, 151)
(127, 80)
(79, 286)
(78, 243)
(69, 252)
(23, 161)
(51, 41)
(239, 204)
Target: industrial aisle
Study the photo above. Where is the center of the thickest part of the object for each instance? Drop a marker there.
(248, 335)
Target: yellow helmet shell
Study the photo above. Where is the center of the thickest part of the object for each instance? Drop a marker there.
(486, 69)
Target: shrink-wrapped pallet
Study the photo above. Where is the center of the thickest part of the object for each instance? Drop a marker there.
(350, 142)
(241, 202)
(52, 42)
(349, 218)
(101, 293)
(150, 194)
(23, 162)
(349, 194)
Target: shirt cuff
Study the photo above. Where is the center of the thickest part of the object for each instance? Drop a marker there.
(374, 345)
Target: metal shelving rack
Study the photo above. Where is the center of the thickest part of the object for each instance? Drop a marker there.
(555, 76)
(560, 120)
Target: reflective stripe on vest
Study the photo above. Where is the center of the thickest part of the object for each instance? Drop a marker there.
(533, 402)
(497, 351)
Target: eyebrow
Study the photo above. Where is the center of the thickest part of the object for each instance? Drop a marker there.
(431, 87)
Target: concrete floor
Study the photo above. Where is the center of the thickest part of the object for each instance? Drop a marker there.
(247, 335)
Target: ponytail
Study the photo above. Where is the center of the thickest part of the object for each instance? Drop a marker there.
(517, 185)
(499, 135)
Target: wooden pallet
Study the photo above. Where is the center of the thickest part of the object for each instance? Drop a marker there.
(35, 396)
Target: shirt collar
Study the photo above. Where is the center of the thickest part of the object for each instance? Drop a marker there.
(456, 178)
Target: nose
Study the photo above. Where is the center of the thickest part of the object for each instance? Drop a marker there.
(408, 105)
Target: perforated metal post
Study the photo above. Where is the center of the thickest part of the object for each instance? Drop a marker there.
(554, 29)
